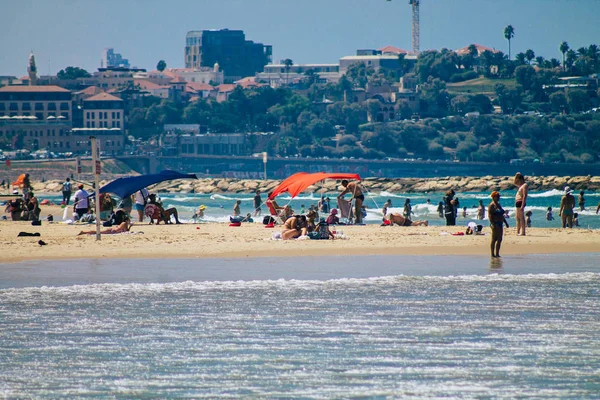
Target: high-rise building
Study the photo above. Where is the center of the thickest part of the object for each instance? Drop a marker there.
(112, 59)
(237, 57)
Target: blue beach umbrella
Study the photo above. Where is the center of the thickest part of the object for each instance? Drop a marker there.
(124, 187)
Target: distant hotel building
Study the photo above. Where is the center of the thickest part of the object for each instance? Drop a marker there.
(41, 117)
(236, 56)
(112, 59)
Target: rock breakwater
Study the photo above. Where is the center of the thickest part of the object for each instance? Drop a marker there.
(399, 185)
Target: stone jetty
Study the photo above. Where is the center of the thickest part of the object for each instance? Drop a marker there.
(378, 185)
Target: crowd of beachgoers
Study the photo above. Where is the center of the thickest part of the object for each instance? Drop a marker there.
(311, 222)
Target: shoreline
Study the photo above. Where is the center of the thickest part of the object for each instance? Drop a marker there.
(218, 240)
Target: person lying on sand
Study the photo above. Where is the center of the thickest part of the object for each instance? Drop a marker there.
(399, 219)
(121, 228)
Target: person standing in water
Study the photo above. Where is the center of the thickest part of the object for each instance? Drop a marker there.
(407, 209)
(497, 220)
(520, 203)
(440, 209)
(567, 204)
(481, 211)
(581, 201)
(257, 204)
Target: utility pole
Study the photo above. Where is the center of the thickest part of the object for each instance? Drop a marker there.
(96, 165)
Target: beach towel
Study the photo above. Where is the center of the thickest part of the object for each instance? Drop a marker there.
(345, 207)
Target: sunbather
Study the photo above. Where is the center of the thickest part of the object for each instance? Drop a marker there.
(121, 228)
(399, 219)
(294, 227)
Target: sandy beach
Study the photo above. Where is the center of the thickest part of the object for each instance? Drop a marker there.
(254, 240)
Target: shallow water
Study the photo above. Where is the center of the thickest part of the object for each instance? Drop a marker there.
(322, 327)
(220, 206)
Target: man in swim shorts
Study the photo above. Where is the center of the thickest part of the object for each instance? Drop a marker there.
(357, 194)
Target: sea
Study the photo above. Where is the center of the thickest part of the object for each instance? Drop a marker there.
(334, 327)
(360, 327)
(219, 207)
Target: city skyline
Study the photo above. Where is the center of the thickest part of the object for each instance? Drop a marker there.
(67, 33)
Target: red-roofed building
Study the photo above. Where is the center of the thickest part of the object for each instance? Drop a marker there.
(225, 90)
(200, 91)
(480, 49)
(103, 111)
(392, 50)
(154, 89)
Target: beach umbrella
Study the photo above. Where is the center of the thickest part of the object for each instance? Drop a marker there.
(124, 187)
(296, 184)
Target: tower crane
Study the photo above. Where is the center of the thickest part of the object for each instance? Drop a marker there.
(415, 25)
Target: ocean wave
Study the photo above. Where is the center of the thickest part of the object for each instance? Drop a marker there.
(111, 289)
(548, 193)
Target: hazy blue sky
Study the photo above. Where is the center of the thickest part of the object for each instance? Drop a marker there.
(74, 32)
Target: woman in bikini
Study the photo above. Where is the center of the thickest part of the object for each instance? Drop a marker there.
(294, 227)
(497, 222)
(520, 203)
(121, 228)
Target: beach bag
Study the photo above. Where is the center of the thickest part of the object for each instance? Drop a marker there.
(267, 220)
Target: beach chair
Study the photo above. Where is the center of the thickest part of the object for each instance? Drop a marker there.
(276, 216)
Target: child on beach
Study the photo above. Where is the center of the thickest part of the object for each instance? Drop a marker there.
(528, 214)
(549, 216)
(236, 208)
(575, 219)
(464, 212)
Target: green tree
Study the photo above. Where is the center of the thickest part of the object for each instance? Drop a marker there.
(529, 56)
(525, 76)
(509, 33)
(358, 74)
(287, 65)
(570, 60)
(161, 66)
(578, 100)
(72, 73)
(558, 102)
(521, 58)
(564, 47)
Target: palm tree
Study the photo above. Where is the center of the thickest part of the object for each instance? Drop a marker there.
(509, 33)
(564, 47)
(594, 54)
(529, 55)
(521, 58)
(539, 60)
(571, 57)
(287, 63)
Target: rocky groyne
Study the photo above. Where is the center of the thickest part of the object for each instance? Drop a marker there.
(378, 185)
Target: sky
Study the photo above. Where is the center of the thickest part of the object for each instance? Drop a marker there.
(65, 33)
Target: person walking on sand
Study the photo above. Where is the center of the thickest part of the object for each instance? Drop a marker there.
(581, 201)
(567, 204)
(81, 202)
(520, 203)
(357, 194)
(257, 204)
(66, 191)
(497, 220)
(141, 199)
